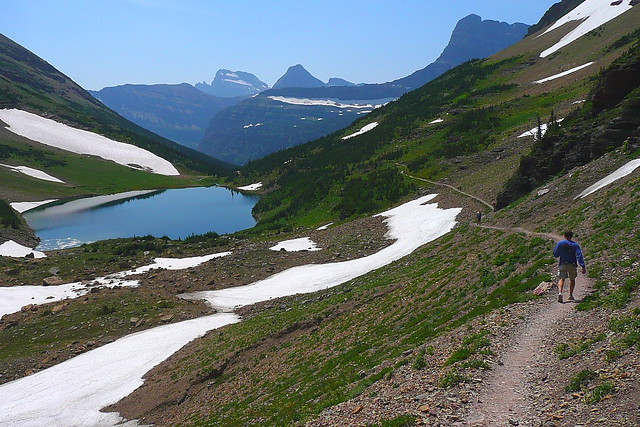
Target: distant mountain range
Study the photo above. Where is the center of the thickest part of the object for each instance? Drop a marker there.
(231, 84)
(302, 108)
(179, 112)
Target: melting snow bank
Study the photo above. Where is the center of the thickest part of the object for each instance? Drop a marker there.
(16, 250)
(33, 173)
(73, 392)
(592, 13)
(25, 206)
(296, 245)
(59, 135)
(12, 299)
(364, 129)
(564, 73)
(411, 225)
(251, 187)
(623, 171)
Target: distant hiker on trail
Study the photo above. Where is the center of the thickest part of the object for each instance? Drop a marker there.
(570, 256)
(479, 217)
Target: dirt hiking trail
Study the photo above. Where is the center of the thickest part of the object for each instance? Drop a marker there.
(505, 399)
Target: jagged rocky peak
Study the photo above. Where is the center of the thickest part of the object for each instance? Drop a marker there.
(297, 76)
(228, 84)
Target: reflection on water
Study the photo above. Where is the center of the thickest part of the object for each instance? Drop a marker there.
(173, 213)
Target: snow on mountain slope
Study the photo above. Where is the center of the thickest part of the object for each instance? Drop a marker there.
(592, 13)
(331, 102)
(59, 135)
(34, 173)
(364, 129)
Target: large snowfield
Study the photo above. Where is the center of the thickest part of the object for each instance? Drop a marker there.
(59, 135)
(592, 14)
(73, 392)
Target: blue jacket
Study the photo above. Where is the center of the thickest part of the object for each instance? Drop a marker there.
(569, 253)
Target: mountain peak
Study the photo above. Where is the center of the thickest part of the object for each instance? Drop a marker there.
(297, 76)
(229, 84)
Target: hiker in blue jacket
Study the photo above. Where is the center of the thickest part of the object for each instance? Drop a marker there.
(570, 256)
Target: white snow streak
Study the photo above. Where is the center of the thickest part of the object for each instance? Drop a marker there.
(433, 122)
(34, 173)
(59, 135)
(364, 129)
(324, 102)
(296, 245)
(621, 172)
(592, 13)
(564, 73)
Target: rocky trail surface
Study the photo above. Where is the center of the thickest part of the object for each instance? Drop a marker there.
(507, 393)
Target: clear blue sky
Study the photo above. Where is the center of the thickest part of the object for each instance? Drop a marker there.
(102, 43)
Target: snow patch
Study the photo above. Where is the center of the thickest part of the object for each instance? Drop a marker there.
(59, 135)
(16, 250)
(564, 73)
(296, 245)
(251, 187)
(25, 206)
(324, 227)
(592, 13)
(364, 129)
(433, 122)
(34, 173)
(238, 82)
(621, 172)
(534, 132)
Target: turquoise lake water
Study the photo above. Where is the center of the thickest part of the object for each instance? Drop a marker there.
(173, 213)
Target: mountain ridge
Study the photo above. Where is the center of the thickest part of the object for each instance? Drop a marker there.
(227, 136)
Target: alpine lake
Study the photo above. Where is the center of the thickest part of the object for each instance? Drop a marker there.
(175, 213)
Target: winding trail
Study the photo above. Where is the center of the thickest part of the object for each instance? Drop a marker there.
(457, 190)
(505, 398)
(506, 394)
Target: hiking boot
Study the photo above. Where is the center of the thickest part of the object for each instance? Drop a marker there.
(571, 298)
(559, 297)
